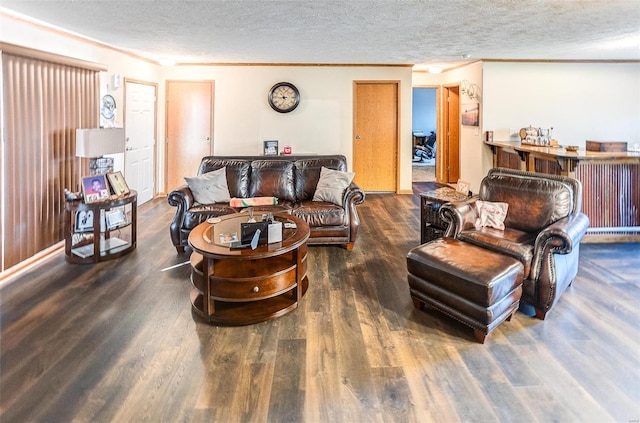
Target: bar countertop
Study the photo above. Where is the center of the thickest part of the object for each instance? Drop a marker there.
(561, 152)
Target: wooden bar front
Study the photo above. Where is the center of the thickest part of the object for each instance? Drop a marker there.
(610, 183)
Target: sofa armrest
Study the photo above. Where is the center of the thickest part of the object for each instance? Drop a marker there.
(561, 236)
(182, 198)
(352, 195)
(459, 216)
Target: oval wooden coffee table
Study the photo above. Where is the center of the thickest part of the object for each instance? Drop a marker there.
(244, 286)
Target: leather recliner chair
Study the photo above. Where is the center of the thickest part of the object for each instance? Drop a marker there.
(543, 228)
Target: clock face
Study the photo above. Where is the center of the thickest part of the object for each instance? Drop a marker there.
(284, 97)
(108, 107)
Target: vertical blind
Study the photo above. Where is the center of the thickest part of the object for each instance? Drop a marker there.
(42, 105)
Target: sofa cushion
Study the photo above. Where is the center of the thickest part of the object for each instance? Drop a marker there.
(320, 213)
(272, 178)
(238, 171)
(331, 185)
(210, 187)
(512, 242)
(307, 173)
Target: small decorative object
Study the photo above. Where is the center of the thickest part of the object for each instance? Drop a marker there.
(470, 114)
(271, 148)
(114, 218)
(284, 97)
(108, 108)
(463, 187)
(228, 238)
(488, 136)
(118, 184)
(571, 148)
(286, 150)
(84, 221)
(72, 196)
(95, 188)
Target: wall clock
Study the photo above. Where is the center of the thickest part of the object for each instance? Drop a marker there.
(108, 107)
(284, 97)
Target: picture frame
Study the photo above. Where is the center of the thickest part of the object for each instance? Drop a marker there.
(94, 188)
(118, 184)
(115, 218)
(463, 187)
(470, 114)
(271, 148)
(84, 221)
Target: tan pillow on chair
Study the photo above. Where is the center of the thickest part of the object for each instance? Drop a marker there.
(491, 214)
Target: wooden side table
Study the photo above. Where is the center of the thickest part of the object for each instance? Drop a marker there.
(89, 229)
(431, 224)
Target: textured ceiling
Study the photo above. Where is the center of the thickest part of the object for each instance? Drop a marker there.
(350, 31)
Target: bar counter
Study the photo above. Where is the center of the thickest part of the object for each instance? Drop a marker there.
(610, 183)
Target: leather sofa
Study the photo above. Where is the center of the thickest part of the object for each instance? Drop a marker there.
(543, 228)
(292, 179)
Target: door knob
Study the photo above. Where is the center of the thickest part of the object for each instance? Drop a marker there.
(357, 137)
(207, 138)
(128, 148)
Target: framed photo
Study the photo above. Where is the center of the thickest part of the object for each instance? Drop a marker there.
(84, 221)
(118, 184)
(271, 148)
(95, 188)
(470, 114)
(115, 218)
(228, 238)
(463, 187)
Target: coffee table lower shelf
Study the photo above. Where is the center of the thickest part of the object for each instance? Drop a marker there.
(247, 313)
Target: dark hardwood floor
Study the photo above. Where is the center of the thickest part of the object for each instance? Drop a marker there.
(117, 342)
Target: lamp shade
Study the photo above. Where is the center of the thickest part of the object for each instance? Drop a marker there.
(96, 142)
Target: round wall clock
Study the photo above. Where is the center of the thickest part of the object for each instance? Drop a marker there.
(284, 97)
(108, 107)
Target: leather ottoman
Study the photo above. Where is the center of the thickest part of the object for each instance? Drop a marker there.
(475, 286)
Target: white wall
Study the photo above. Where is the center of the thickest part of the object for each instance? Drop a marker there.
(581, 101)
(322, 123)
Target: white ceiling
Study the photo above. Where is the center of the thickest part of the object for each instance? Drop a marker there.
(350, 31)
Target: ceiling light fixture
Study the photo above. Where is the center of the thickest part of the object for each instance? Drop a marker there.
(167, 61)
(466, 55)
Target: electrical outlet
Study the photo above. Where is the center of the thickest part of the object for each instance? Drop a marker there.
(513, 132)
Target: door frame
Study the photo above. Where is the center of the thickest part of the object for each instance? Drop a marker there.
(156, 168)
(442, 142)
(166, 120)
(438, 89)
(398, 143)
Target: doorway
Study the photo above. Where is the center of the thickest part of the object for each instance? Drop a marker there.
(376, 135)
(424, 133)
(448, 161)
(140, 128)
(189, 128)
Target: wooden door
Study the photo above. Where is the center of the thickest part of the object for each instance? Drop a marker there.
(189, 128)
(375, 135)
(448, 169)
(140, 124)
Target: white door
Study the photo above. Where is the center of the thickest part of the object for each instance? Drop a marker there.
(140, 119)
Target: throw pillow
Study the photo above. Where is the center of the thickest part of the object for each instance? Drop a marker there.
(331, 185)
(491, 214)
(210, 187)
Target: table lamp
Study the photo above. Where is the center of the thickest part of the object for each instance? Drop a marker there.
(93, 143)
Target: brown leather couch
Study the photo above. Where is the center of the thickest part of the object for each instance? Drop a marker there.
(292, 179)
(543, 229)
